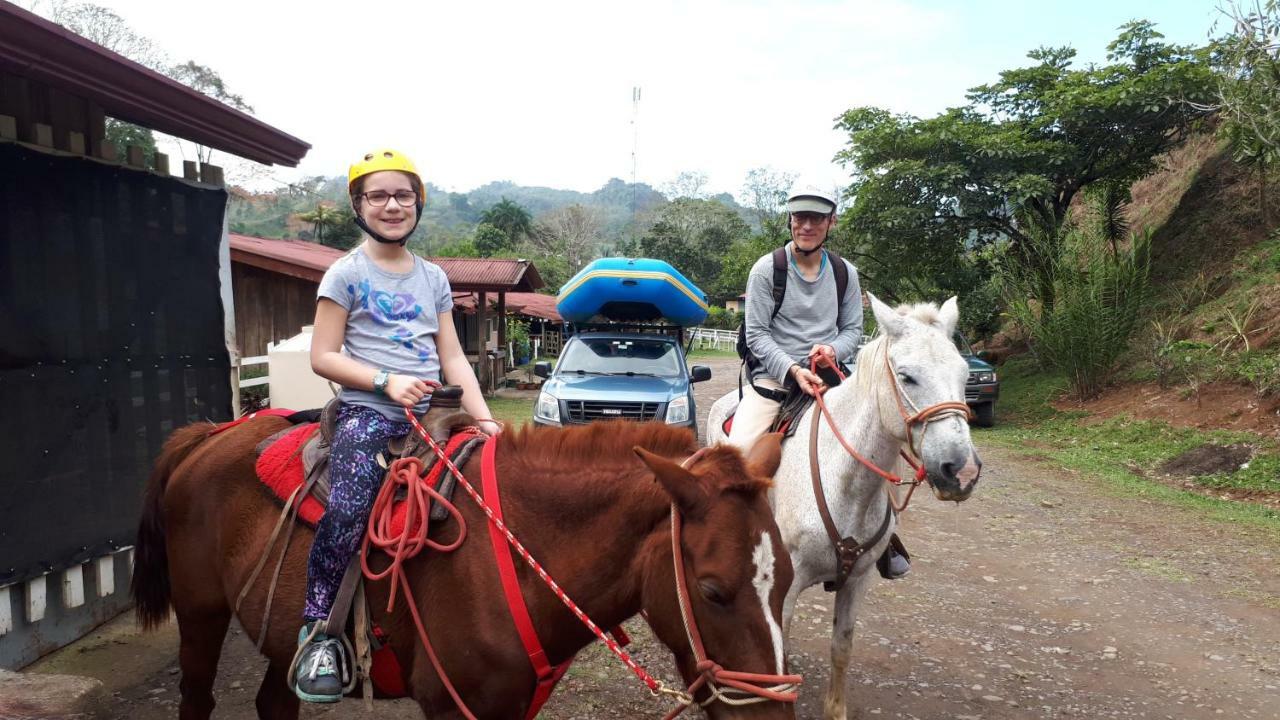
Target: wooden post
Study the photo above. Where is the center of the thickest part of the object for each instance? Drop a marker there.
(108, 151)
(482, 331)
(76, 143)
(189, 170)
(504, 362)
(43, 135)
(162, 163)
(133, 156)
(8, 127)
(211, 174)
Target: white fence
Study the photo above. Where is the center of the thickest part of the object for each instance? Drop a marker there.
(254, 382)
(713, 339)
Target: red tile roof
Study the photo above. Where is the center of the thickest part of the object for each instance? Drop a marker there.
(307, 260)
(472, 274)
(35, 48)
(522, 303)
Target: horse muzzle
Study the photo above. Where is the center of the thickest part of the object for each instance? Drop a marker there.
(955, 478)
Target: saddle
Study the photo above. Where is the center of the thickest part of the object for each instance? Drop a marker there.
(794, 405)
(294, 463)
(441, 421)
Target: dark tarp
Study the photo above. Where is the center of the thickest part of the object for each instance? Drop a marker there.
(111, 336)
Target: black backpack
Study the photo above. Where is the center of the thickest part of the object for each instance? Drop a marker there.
(780, 290)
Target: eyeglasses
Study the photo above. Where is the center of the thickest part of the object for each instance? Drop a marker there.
(800, 219)
(379, 198)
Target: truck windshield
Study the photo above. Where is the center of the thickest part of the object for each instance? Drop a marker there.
(621, 356)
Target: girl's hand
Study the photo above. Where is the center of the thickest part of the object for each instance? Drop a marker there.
(490, 427)
(408, 391)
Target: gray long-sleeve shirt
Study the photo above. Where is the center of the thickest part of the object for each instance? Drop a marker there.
(808, 316)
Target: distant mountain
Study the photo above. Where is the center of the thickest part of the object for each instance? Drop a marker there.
(450, 215)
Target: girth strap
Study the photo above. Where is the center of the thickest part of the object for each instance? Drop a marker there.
(548, 675)
(848, 549)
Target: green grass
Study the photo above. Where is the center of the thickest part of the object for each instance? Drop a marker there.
(512, 411)
(1121, 451)
(698, 354)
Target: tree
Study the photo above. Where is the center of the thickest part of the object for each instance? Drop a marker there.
(511, 218)
(764, 192)
(573, 233)
(694, 235)
(688, 184)
(332, 226)
(929, 192)
(489, 240)
(206, 80)
(1248, 60)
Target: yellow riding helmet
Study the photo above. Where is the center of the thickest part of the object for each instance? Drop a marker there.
(385, 159)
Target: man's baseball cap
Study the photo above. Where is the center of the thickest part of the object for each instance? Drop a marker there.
(809, 196)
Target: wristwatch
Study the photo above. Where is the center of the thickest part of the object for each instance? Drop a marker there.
(380, 382)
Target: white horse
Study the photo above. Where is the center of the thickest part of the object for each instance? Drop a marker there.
(910, 366)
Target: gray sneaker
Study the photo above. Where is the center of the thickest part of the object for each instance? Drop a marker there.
(322, 670)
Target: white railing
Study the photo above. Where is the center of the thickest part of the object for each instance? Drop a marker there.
(713, 339)
(254, 382)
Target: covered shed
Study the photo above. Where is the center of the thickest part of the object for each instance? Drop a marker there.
(275, 285)
(118, 323)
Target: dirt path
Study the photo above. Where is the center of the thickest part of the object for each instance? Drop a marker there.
(1041, 597)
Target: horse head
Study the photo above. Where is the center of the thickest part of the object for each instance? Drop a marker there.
(920, 391)
(736, 573)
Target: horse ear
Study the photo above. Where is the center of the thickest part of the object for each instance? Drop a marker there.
(765, 455)
(889, 322)
(680, 484)
(949, 316)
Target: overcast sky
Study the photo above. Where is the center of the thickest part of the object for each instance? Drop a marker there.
(540, 93)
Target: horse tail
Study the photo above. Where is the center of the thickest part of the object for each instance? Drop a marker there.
(150, 585)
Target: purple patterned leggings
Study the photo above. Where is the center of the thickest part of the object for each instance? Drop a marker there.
(355, 475)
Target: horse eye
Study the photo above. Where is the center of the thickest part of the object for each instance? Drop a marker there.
(906, 379)
(713, 593)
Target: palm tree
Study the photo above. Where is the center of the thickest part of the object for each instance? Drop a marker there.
(511, 218)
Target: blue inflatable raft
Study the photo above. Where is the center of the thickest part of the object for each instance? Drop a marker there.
(631, 289)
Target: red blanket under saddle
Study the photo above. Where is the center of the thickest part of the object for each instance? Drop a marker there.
(280, 468)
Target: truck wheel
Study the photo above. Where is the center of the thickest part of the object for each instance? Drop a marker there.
(984, 415)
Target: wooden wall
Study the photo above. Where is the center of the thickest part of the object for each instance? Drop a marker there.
(270, 307)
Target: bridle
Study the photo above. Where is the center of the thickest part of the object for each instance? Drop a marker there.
(848, 549)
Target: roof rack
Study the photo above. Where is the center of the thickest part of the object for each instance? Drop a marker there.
(675, 331)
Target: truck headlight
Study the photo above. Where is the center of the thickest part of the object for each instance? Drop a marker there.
(678, 410)
(547, 407)
(986, 377)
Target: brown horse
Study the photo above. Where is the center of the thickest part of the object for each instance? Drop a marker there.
(577, 498)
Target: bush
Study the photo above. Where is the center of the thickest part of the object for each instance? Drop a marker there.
(518, 336)
(720, 318)
(1081, 313)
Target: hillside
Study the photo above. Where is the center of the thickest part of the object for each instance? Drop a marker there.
(1208, 355)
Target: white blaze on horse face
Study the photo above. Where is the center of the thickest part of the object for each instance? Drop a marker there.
(765, 560)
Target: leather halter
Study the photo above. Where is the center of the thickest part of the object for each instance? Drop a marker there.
(728, 686)
(848, 549)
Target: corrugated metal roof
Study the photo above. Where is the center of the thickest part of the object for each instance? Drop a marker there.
(295, 258)
(307, 260)
(523, 303)
(472, 274)
(50, 54)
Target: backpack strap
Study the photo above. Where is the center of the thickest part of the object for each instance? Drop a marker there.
(779, 279)
(842, 275)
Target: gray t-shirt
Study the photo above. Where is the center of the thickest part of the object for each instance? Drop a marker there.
(809, 316)
(392, 321)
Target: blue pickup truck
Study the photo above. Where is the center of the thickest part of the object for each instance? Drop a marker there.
(983, 386)
(632, 375)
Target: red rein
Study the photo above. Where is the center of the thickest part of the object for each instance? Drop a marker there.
(412, 539)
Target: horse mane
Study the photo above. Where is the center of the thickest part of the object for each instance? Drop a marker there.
(611, 443)
(732, 473)
(864, 375)
(598, 442)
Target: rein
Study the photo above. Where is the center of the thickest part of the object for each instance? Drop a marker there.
(413, 539)
(849, 550)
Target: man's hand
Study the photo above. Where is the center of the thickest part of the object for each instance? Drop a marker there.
(809, 383)
(824, 354)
